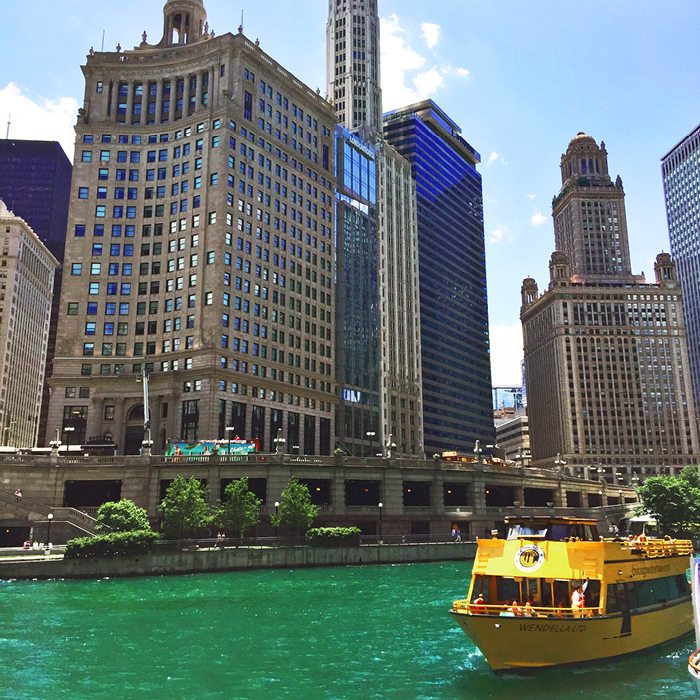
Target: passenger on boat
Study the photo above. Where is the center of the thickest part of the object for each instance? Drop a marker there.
(529, 612)
(561, 611)
(479, 605)
(507, 612)
(516, 609)
(578, 599)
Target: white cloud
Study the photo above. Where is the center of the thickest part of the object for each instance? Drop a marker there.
(402, 84)
(431, 33)
(506, 354)
(538, 219)
(492, 158)
(427, 83)
(46, 120)
(531, 196)
(497, 234)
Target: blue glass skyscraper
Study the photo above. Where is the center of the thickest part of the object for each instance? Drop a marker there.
(357, 336)
(452, 268)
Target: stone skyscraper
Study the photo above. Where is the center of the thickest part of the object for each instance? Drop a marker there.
(26, 290)
(200, 247)
(353, 63)
(681, 175)
(606, 360)
(378, 288)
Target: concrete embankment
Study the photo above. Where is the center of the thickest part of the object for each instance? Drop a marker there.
(233, 559)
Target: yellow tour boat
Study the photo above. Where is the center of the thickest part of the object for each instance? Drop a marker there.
(554, 593)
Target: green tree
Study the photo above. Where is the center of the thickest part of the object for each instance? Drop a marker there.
(185, 508)
(121, 516)
(296, 509)
(239, 510)
(673, 500)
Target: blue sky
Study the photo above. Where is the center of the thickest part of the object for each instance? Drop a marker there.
(520, 78)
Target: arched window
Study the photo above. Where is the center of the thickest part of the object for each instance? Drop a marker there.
(583, 165)
(136, 413)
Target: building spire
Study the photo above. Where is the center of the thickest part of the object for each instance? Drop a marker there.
(353, 63)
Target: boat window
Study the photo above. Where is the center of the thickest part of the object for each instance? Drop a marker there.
(482, 584)
(507, 589)
(593, 594)
(557, 533)
(521, 530)
(642, 594)
(546, 588)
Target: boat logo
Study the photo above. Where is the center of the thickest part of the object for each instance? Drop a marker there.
(529, 558)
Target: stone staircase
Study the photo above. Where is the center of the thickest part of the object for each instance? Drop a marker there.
(19, 504)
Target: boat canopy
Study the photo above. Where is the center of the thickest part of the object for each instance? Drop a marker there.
(553, 529)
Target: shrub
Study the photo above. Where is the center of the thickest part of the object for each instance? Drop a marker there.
(334, 537)
(121, 516)
(112, 545)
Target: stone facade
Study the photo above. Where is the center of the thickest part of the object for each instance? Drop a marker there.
(606, 357)
(200, 247)
(27, 271)
(419, 497)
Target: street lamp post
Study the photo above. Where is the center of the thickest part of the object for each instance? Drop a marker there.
(229, 429)
(68, 429)
(381, 505)
(370, 434)
(560, 463)
(279, 444)
(48, 534)
(277, 507)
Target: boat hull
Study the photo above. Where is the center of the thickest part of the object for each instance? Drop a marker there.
(522, 643)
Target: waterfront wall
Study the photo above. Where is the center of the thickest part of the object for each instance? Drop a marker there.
(419, 497)
(234, 559)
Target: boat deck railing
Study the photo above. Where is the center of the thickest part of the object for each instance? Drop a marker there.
(659, 548)
(464, 607)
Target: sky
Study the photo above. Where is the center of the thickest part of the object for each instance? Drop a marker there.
(520, 78)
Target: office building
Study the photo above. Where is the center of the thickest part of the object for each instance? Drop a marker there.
(507, 397)
(681, 175)
(606, 358)
(35, 181)
(456, 368)
(513, 438)
(353, 64)
(26, 290)
(378, 341)
(200, 247)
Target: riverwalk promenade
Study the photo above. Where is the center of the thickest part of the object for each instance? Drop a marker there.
(181, 558)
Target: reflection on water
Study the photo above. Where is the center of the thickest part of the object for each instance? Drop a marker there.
(341, 633)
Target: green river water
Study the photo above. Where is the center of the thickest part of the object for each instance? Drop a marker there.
(356, 632)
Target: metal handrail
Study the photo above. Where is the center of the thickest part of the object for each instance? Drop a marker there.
(464, 607)
(655, 548)
(70, 515)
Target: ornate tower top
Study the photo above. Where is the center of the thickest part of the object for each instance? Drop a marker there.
(352, 64)
(584, 158)
(183, 22)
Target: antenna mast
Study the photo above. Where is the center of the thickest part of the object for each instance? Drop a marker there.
(9, 117)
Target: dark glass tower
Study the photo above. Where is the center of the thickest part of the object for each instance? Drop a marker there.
(35, 181)
(452, 266)
(357, 301)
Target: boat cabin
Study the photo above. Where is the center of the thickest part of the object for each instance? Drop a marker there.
(552, 529)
